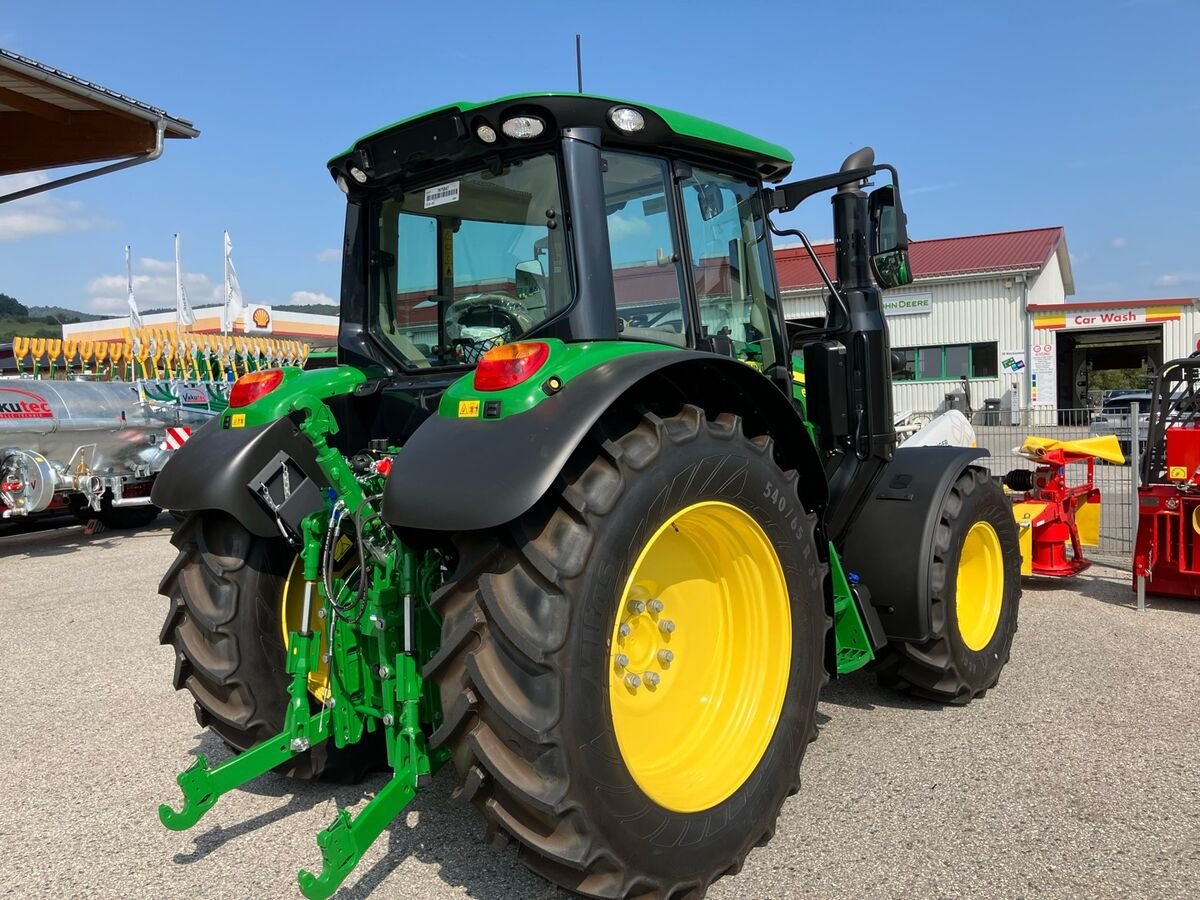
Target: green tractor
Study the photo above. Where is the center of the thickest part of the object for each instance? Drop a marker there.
(562, 515)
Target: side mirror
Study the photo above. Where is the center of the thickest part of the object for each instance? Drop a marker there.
(712, 203)
(889, 239)
(529, 278)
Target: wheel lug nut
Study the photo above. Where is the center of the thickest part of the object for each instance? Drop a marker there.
(666, 657)
(666, 626)
(652, 679)
(633, 680)
(637, 607)
(624, 630)
(622, 660)
(656, 606)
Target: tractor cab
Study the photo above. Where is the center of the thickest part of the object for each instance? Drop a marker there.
(566, 216)
(576, 219)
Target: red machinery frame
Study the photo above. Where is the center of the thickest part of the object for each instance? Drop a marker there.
(1167, 551)
(1051, 513)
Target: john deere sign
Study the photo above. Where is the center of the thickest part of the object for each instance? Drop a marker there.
(908, 305)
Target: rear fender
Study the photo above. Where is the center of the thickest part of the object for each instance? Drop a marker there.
(890, 543)
(229, 470)
(467, 474)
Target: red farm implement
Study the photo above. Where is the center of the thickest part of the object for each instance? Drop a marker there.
(1167, 552)
(1052, 514)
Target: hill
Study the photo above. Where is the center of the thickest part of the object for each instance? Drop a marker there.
(36, 321)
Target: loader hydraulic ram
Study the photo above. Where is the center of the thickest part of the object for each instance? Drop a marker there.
(560, 516)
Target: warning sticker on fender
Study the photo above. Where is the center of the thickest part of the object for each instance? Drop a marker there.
(468, 409)
(443, 193)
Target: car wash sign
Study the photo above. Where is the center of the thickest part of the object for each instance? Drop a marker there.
(1106, 317)
(908, 305)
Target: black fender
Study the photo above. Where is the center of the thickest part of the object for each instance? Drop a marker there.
(890, 544)
(469, 474)
(223, 469)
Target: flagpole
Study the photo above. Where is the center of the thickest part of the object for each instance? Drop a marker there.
(178, 299)
(129, 288)
(225, 323)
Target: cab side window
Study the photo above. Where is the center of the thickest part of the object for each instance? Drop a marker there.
(730, 263)
(641, 237)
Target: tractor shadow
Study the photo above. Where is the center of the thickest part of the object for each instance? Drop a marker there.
(433, 830)
(302, 797)
(860, 690)
(449, 835)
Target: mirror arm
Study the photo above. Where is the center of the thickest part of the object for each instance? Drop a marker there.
(787, 197)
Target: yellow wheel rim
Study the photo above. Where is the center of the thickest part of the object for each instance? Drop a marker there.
(979, 589)
(700, 655)
(290, 614)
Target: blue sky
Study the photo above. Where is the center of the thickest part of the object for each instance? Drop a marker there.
(999, 117)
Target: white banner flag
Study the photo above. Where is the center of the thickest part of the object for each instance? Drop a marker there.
(235, 303)
(135, 318)
(183, 310)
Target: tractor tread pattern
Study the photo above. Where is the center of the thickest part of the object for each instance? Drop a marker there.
(928, 669)
(507, 620)
(219, 657)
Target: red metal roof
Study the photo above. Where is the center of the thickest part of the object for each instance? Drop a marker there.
(1004, 252)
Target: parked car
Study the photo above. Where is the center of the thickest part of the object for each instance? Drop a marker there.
(1113, 418)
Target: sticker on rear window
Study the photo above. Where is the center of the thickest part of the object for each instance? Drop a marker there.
(443, 193)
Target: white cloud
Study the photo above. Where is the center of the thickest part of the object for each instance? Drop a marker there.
(1174, 279)
(932, 188)
(329, 254)
(311, 297)
(1118, 243)
(107, 292)
(622, 227)
(40, 214)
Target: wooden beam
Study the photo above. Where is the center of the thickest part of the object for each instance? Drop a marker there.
(29, 142)
(36, 107)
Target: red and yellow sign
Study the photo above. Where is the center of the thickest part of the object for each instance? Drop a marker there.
(1106, 318)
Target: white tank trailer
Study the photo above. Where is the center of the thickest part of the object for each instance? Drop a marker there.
(94, 447)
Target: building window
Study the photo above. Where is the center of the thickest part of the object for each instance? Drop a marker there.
(947, 362)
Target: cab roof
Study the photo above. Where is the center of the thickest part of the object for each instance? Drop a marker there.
(450, 132)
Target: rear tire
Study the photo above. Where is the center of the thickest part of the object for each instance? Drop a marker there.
(225, 588)
(946, 668)
(529, 622)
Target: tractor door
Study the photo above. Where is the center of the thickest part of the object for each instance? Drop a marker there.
(730, 263)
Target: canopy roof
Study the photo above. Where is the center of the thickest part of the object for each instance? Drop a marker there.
(50, 118)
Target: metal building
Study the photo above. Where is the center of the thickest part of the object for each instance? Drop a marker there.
(988, 316)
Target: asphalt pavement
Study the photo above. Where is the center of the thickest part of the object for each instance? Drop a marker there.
(1076, 777)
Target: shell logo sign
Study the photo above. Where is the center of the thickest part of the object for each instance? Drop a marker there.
(258, 318)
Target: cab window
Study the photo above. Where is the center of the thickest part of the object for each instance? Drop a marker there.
(730, 264)
(642, 242)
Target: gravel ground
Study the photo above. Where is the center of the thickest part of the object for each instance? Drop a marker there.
(1076, 777)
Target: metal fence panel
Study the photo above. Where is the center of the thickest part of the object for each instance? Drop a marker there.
(1002, 432)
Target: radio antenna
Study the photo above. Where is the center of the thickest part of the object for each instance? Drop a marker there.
(578, 63)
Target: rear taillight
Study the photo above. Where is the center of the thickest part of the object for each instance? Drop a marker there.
(253, 385)
(509, 364)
